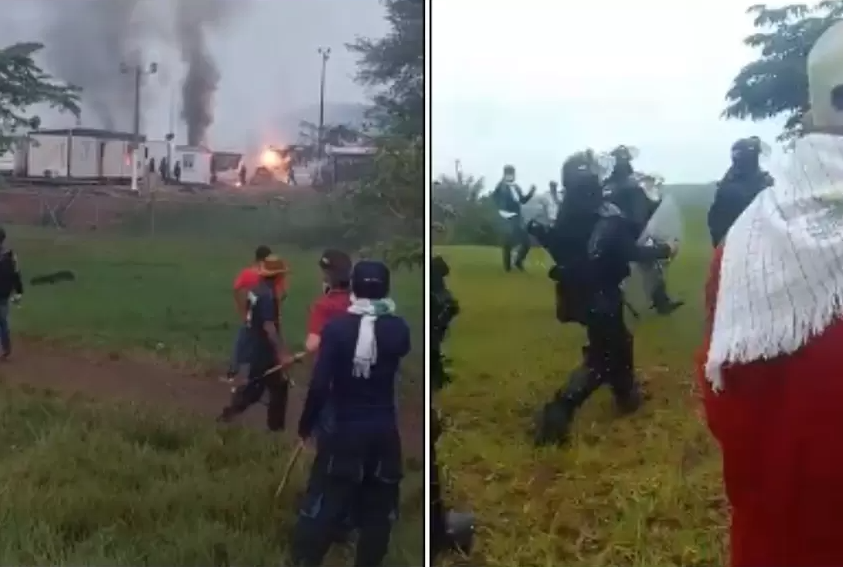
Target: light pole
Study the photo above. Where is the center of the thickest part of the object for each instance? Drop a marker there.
(325, 53)
(138, 71)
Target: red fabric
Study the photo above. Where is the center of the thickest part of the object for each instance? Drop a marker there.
(325, 308)
(779, 424)
(249, 278)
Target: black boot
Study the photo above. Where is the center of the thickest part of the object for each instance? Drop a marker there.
(662, 303)
(630, 401)
(553, 424)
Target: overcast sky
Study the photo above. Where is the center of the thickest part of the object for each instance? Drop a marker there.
(267, 56)
(529, 82)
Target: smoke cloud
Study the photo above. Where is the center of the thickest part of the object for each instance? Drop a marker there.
(88, 41)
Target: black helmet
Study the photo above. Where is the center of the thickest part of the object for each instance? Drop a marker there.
(580, 169)
(621, 153)
(747, 147)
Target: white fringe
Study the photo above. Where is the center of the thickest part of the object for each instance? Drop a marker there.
(781, 278)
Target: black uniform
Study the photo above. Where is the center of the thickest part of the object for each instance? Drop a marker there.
(448, 529)
(358, 463)
(743, 181)
(11, 284)
(263, 308)
(626, 193)
(592, 244)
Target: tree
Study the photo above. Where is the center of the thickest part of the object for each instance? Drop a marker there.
(391, 201)
(461, 213)
(24, 84)
(394, 64)
(776, 83)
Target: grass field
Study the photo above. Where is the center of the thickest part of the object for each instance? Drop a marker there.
(639, 491)
(95, 482)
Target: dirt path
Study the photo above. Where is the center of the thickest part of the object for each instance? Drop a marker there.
(45, 365)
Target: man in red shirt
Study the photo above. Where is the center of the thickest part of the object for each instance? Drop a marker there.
(336, 297)
(247, 279)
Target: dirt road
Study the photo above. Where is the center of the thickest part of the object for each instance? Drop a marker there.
(46, 365)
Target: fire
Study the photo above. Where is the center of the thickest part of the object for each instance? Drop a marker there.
(270, 159)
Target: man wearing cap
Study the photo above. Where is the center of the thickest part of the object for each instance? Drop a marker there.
(335, 298)
(246, 280)
(359, 459)
(771, 366)
(743, 181)
(265, 350)
(509, 199)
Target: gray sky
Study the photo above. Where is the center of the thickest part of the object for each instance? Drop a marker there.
(529, 82)
(267, 58)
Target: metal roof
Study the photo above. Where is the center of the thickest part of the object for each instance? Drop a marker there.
(90, 133)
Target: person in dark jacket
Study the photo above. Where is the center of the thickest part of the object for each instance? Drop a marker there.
(625, 192)
(592, 244)
(359, 459)
(11, 290)
(266, 351)
(509, 198)
(743, 181)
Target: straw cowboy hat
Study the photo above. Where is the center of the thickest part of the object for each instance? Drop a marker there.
(825, 81)
(272, 266)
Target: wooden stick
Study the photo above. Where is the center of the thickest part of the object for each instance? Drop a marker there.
(298, 357)
(290, 464)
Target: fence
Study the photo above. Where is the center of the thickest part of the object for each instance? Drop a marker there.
(302, 217)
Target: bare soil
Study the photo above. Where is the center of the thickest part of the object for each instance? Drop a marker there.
(43, 364)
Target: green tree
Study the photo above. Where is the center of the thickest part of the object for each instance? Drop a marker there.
(394, 65)
(776, 84)
(389, 204)
(462, 213)
(24, 84)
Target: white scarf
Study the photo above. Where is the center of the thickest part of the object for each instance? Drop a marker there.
(366, 351)
(781, 277)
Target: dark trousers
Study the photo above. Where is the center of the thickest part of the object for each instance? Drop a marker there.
(515, 239)
(275, 384)
(5, 332)
(438, 527)
(608, 357)
(350, 472)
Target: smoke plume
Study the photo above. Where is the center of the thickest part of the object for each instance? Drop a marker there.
(88, 41)
(194, 20)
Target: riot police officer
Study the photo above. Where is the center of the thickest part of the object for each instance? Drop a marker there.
(742, 182)
(449, 529)
(624, 191)
(592, 244)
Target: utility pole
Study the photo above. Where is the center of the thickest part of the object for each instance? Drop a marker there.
(325, 53)
(138, 72)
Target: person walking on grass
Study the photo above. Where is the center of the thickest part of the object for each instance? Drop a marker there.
(11, 290)
(266, 351)
(359, 459)
(509, 199)
(247, 279)
(770, 368)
